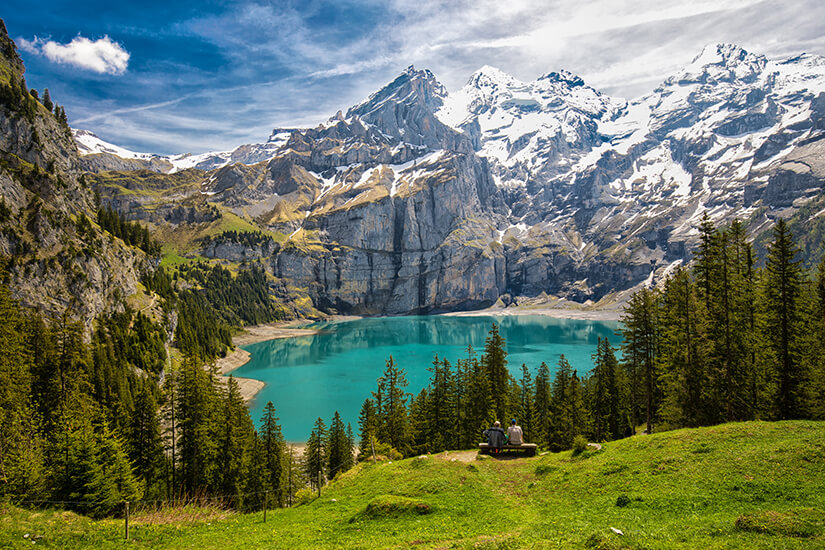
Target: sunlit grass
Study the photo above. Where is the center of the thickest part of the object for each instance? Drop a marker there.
(744, 485)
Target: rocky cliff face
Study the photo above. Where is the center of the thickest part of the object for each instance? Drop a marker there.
(61, 261)
(418, 200)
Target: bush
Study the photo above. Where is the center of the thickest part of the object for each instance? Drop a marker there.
(622, 501)
(304, 496)
(579, 444)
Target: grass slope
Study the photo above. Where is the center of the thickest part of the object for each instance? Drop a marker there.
(744, 485)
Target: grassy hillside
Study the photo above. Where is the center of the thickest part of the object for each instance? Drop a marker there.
(745, 485)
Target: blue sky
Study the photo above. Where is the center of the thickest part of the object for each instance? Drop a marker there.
(172, 77)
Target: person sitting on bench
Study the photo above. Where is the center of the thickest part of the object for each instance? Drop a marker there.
(495, 436)
(514, 434)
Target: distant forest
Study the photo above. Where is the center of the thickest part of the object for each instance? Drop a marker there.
(94, 423)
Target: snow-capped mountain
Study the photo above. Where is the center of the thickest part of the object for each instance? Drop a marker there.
(418, 199)
(529, 130)
(99, 155)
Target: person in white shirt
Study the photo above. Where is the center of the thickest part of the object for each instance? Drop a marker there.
(514, 433)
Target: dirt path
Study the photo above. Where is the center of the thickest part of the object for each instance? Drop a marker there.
(459, 456)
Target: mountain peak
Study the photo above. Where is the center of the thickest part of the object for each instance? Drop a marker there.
(411, 86)
(490, 76)
(719, 54)
(721, 63)
(563, 76)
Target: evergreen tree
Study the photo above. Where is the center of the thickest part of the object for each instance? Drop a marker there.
(479, 402)
(391, 407)
(315, 453)
(274, 457)
(339, 452)
(561, 430)
(197, 427)
(541, 405)
(815, 394)
(683, 353)
(609, 417)
(47, 100)
(367, 427)
(639, 351)
(420, 425)
(494, 362)
(234, 443)
(110, 477)
(144, 440)
(440, 408)
(783, 293)
(525, 412)
(21, 463)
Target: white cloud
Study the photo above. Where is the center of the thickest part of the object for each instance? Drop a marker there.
(104, 55)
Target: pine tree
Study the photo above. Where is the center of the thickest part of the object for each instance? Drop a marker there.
(391, 407)
(683, 353)
(350, 448)
(494, 362)
(783, 292)
(440, 407)
(197, 427)
(47, 100)
(525, 412)
(639, 351)
(21, 463)
(815, 390)
(144, 441)
(420, 424)
(315, 453)
(110, 477)
(273, 449)
(541, 405)
(609, 418)
(339, 452)
(561, 429)
(367, 427)
(234, 443)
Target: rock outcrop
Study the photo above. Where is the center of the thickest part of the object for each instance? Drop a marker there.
(62, 262)
(417, 200)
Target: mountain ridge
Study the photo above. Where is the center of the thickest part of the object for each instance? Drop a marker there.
(549, 186)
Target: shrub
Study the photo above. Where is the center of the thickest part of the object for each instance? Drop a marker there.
(304, 496)
(579, 444)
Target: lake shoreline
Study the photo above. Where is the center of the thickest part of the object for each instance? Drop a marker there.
(543, 311)
(250, 387)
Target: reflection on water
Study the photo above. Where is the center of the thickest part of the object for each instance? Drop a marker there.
(313, 376)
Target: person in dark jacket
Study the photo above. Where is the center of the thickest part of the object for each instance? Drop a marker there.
(495, 436)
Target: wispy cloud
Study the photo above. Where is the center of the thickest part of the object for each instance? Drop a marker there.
(247, 66)
(103, 55)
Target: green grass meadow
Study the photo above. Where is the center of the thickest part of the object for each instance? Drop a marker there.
(745, 485)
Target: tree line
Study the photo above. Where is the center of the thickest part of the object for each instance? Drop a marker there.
(132, 233)
(727, 340)
(722, 340)
(108, 420)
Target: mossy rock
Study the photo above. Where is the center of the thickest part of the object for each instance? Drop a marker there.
(804, 522)
(394, 506)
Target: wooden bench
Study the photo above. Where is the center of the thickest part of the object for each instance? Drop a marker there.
(527, 448)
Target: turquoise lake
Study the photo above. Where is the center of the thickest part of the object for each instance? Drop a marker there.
(311, 376)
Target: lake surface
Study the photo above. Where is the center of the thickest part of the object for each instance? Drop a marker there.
(312, 376)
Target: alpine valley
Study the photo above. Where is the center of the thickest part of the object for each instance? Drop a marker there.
(419, 200)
